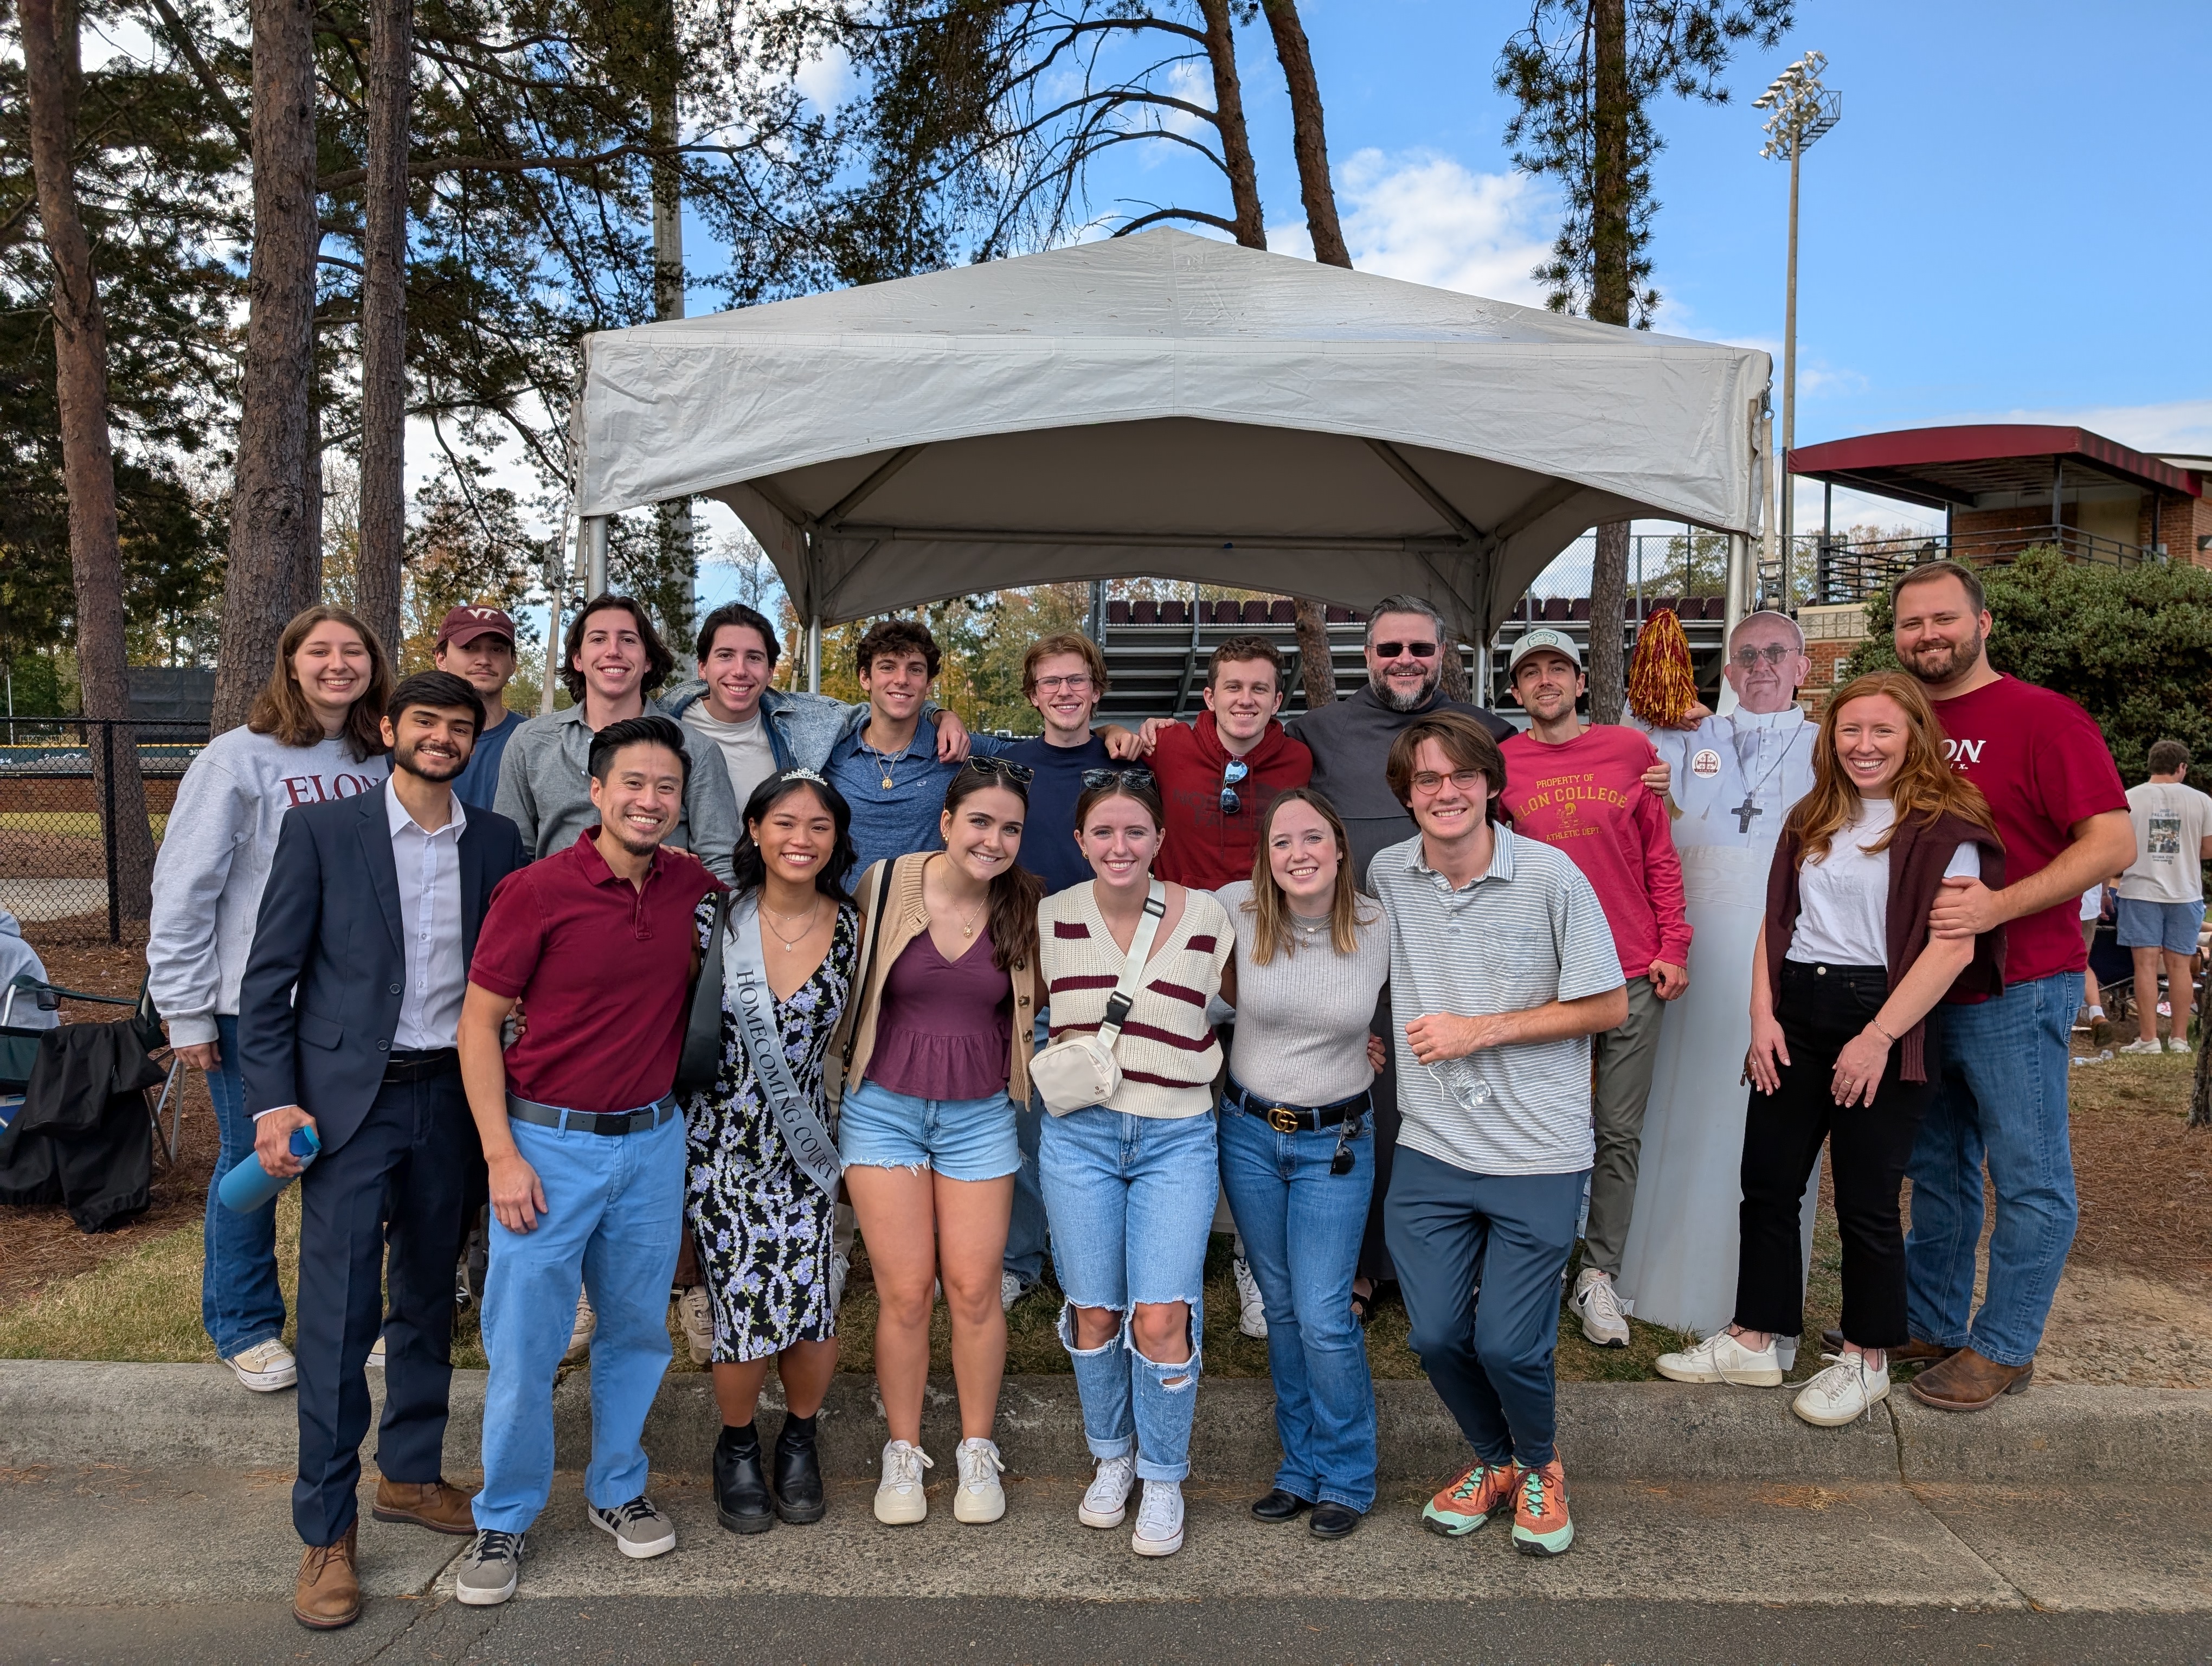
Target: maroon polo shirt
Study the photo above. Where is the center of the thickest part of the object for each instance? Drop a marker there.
(602, 969)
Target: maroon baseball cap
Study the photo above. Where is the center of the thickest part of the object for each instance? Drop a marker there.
(463, 625)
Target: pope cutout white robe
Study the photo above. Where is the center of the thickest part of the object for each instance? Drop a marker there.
(1735, 777)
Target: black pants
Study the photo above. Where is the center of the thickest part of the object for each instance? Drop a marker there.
(1374, 1263)
(405, 1175)
(1821, 1008)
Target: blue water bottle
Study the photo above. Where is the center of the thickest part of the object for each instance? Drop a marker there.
(248, 1186)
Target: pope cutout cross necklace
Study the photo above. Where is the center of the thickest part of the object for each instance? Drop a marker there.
(1743, 812)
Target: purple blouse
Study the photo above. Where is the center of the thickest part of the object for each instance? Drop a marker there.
(945, 1029)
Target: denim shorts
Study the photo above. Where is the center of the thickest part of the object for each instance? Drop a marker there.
(2169, 926)
(960, 1139)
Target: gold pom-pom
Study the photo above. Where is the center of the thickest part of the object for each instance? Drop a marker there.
(1662, 687)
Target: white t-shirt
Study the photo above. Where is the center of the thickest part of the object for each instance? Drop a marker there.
(2172, 821)
(745, 747)
(1843, 899)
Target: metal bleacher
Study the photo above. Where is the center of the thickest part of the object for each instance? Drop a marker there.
(1156, 649)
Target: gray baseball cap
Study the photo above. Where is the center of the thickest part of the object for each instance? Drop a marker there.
(1543, 637)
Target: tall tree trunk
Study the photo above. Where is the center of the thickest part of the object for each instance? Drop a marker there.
(1236, 140)
(274, 548)
(1609, 303)
(1310, 144)
(52, 74)
(678, 537)
(384, 323)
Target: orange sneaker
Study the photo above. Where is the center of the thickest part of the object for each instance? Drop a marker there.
(1542, 1526)
(1481, 1491)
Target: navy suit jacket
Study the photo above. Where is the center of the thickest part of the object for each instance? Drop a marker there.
(320, 1000)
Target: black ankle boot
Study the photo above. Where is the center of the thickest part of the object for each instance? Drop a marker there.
(742, 1503)
(798, 1498)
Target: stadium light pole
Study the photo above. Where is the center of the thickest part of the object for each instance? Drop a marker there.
(1800, 110)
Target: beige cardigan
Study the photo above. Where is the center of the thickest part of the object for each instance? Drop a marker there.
(905, 917)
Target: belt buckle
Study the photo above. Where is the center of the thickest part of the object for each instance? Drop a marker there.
(1282, 1119)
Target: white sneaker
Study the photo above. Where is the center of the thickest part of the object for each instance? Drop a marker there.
(840, 1265)
(695, 1312)
(1722, 1358)
(1251, 1311)
(1842, 1393)
(375, 1360)
(1010, 1290)
(2175, 1044)
(266, 1367)
(580, 1337)
(2143, 1045)
(900, 1501)
(1603, 1322)
(1106, 1500)
(979, 1497)
(1159, 1520)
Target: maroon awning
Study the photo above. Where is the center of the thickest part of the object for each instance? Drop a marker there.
(1939, 467)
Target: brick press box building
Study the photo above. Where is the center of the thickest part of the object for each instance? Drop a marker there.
(2004, 488)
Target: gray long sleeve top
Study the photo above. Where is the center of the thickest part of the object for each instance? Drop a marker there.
(545, 789)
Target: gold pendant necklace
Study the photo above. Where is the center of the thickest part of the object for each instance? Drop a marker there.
(883, 762)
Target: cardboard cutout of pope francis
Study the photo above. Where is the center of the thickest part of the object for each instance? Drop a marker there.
(1736, 775)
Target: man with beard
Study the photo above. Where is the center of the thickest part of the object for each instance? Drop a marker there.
(1735, 778)
(347, 1026)
(2001, 1098)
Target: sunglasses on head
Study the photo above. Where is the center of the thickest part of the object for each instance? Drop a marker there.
(1141, 776)
(1393, 650)
(999, 766)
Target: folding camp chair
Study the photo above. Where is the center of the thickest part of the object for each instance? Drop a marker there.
(19, 1048)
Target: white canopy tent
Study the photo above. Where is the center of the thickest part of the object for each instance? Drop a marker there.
(1168, 405)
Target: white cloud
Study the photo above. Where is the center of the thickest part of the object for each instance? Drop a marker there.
(2180, 426)
(825, 81)
(1429, 219)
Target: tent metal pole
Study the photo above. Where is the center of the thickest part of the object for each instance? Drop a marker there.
(814, 655)
(1738, 583)
(594, 533)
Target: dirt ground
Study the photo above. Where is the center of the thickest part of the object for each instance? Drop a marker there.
(2135, 1306)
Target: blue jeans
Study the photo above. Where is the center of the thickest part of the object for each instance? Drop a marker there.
(1302, 1226)
(1490, 1362)
(2000, 1099)
(1025, 1232)
(240, 1303)
(1132, 1201)
(880, 1128)
(613, 1221)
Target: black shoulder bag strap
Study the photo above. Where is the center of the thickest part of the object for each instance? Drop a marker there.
(702, 1029)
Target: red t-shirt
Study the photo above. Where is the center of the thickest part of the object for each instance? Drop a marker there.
(2042, 763)
(1205, 848)
(603, 969)
(1586, 796)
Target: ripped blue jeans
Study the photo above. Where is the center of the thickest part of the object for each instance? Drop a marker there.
(1130, 1200)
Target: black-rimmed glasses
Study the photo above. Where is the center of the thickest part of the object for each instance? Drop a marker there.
(1393, 650)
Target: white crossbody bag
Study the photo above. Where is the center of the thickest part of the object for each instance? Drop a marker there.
(1079, 1071)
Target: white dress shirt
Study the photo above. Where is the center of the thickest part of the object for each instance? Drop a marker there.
(429, 867)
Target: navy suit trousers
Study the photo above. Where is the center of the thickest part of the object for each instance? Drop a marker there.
(403, 1180)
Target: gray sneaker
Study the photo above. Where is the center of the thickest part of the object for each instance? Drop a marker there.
(640, 1532)
(489, 1570)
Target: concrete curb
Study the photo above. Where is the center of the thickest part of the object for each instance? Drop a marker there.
(56, 1412)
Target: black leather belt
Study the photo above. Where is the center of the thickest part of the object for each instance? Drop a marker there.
(592, 1121)
(1291, 1119)
(419, 1067)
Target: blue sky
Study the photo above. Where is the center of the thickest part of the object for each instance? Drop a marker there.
(2009, 221)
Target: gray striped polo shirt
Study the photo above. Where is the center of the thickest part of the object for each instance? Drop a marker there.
(1528, 932)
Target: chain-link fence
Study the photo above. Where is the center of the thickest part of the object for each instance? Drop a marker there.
(57, 832)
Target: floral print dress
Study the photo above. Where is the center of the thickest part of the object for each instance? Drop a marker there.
(762, 1226)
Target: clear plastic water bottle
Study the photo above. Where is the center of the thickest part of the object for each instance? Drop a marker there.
(1462, 1083)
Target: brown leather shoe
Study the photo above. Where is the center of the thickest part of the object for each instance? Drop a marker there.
(433, 1503)
(327, 1593)
(1914, 1352)
(1967, 1382)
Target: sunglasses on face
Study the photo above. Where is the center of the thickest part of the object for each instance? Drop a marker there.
(1395, 650)
(1233, 772)
(1774, 654)
(1107, 777)
(1020, 773)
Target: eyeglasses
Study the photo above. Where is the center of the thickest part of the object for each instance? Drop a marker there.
(1019, 773)
(1233, 772)
(1078, 684)
(1774, 654)
(1428, 780)
(1393, 650)
(1141, 777)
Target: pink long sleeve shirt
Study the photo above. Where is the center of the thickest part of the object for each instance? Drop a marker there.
(1586, 796)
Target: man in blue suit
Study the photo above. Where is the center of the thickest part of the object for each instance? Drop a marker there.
(346, 1024)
